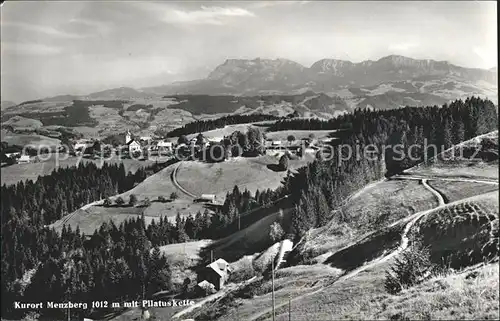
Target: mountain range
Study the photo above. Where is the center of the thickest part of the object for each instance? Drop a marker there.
(261, 76)
(389, 82)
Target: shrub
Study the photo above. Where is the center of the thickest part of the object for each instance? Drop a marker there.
(283, 162)
(410, 269)
(183, 140)
(162, 199)
(133, 200)
(243, 273)
(107, 202)
(119, 201)
(174, 196)
(399, 317)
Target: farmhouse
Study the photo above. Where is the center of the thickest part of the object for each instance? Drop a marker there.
(273, 144)
(216, 273)
(193, 141)
(207, 198)
(276, 143)
(164, 146)
(285, 249)
(81, 145)
(24, 159)
(13, 155)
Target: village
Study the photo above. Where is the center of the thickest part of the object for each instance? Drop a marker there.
(158, 148)
(189, 150)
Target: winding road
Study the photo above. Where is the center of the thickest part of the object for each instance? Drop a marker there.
(448, 179)
(438, 195)
(403, 245)
(173, 177)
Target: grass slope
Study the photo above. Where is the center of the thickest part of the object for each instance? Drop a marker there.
(375, 206)
(298, 134)
(454, 191)
(467, 227)
(253, 239)
(219, 178)
(159, 184)
(181, 257)
(465, 166)
(29, 139)
(21, 172)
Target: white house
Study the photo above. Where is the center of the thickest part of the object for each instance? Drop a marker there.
(24, 159)
(165, 145)
(327, 139)
(81, 145)
(193, 140)
(13, 155)
(207, 198)
(133, 146)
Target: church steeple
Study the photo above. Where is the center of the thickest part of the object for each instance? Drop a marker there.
(128, 137)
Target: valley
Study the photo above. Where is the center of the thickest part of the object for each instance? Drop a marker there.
(249, 161)
(340, 232)
(326, 89)
(340, 292)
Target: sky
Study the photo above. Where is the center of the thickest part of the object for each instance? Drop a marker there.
(77, 47)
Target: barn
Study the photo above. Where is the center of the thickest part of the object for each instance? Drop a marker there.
(216, 273)
(24, 159)
(206, 198)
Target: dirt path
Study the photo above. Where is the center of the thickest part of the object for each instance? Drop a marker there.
(413, 219)
(437, 178)
(212, 297)
(173, 177)
(438, 195)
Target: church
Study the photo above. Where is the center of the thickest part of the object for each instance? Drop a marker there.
(133, 145)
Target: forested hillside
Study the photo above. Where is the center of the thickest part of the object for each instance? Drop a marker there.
(121, 262)
(323, 185)
(206, 125)
(32, 251)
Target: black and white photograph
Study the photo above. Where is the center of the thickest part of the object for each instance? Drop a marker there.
(249, 160)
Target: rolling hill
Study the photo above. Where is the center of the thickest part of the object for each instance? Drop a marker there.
(343, 264)
(265, 76)
(271, 86)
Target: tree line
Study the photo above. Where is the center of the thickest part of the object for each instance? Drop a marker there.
(115, 264)
(66, 189)
(68, 264)
(119, 262)
(322, 186)
(206, 125)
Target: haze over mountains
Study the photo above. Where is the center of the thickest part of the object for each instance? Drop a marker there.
(242, 76)
(389, 82)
